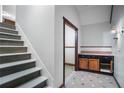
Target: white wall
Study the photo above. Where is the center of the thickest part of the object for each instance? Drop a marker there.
(10, 9)
(69, 36)
(71, 14)
(37, 22)
(92, 14)
(118, 21)
(70, 55)
(69, 41)
(0, 13)
(96, 35)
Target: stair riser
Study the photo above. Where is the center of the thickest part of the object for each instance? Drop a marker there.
(4, 50)
(42, 84)
(10, 36)
(7, 26)
(21, 80)
(12, 58)
(17, 68)
(11, 43)
(8, 31)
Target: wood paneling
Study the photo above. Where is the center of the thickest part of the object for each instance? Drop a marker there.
(94, 64)
(83, 63)
(111, 66)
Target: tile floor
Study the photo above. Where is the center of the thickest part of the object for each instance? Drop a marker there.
(68, 70)
(82, 79)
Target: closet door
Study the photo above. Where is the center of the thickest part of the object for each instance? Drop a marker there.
(94, 64)
(83, 63)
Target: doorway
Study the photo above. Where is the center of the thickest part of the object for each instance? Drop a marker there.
(70, 48)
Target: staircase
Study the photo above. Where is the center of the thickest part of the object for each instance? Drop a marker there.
(17, 68)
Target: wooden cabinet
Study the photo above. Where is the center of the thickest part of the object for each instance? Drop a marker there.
(111, 66)
(91, 64)
(83, 63)
(94, 64)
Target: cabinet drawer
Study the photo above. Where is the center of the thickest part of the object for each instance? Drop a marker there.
(83, 63)
(94, 64)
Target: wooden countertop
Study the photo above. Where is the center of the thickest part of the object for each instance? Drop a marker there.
(99, 53)
(95, 54)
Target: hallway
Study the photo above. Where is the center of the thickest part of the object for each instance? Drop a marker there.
(34, 51)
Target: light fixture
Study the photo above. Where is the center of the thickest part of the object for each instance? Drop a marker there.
(115, 38)
(113, 31)
(122, 30)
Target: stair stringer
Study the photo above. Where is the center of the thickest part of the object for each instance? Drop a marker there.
(34, 54)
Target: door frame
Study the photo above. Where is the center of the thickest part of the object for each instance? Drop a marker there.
(67, 22)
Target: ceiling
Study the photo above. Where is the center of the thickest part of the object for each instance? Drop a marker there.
(93, 14)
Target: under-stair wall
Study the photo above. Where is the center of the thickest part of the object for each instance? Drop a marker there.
(37, 23)
(39, 62)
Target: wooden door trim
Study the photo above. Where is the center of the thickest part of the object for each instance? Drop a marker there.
(67, 22)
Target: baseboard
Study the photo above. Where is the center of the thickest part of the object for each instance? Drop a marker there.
(117, 82)
(61, 86)
(69, 64)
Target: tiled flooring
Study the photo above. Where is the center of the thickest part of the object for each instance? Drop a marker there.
(68, 70)
(82, 79)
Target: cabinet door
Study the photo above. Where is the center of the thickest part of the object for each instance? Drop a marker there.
(111, 66)
(83, 63)
(94, 64)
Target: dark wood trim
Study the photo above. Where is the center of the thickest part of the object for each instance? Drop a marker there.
(67, 22)
(61, 86)
(117, 82)
(69, 46)
(96, 46)
(69, 64)
(76, 50)
(63, 52)
(111, 14)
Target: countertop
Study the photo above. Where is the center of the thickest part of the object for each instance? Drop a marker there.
(95, 54)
